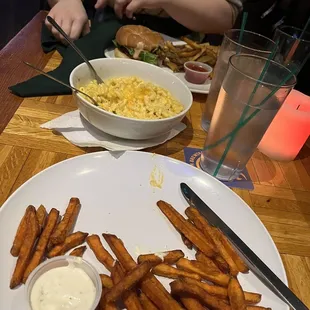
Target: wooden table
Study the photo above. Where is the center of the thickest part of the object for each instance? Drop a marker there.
(281, 197)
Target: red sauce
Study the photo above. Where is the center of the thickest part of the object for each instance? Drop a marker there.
(196, 67)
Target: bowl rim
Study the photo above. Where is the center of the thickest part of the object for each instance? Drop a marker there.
(182, 114)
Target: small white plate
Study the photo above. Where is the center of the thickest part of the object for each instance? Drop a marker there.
(117, 197)
(194, 88)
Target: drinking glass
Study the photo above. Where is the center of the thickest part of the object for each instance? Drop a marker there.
(249, 99)
(251, 43)
(292, 52)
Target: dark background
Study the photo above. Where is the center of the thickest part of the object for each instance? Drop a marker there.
(15, 14)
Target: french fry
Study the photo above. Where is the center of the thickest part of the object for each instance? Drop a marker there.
(180, 288)
(32, 232)
(195, 57)
(41, 215)
(218, 260)
(67, 223)
(187, 243)
(152, 288)
(221, 292)
(79, 251)
(130, 298)
(187, 54)
(106, 281)
(170, 46)
(168, 271)
(201, 223)
(187, 229)
(21, 232)
(208, 272)
(236, 295)
(233, 254)
(129, 281)
(191, 303)
(191, 43)
(146, 302)
(103, 256)
(71, 242)
(40, 249)
(168, 257)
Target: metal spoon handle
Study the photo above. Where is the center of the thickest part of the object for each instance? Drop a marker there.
(60, 82)
(59, 29)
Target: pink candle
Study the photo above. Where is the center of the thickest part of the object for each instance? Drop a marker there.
(289, 130)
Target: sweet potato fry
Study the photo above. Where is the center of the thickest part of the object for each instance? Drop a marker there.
(40, 249)
(129, 281)
(187, 229)
(152, 288)
(79, 251)
(257, 308)
(130, 298)
(218, 291)
(103, 256)
(221, 292)
(168, 257)
(180, 288)
(201, 223)
(208, 272)
(233, 254)
(236, 295)
(188, 244)
(71, 242)
(146, 302)
(168, 271)
(192, 303)
(67, 223)
(32, 232)
(41, 215)
(102, 303)
(218, 260)
(21, 232)
(106, 281)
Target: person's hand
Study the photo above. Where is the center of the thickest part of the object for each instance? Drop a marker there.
(133, 6)
(71, 16)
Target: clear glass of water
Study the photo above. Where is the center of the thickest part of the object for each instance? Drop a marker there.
(292, 51)
(247, 103)
(252, 43)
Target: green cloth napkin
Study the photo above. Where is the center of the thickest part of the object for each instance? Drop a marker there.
(92, 45)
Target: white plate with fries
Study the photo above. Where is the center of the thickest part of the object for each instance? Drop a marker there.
(119, 194)
(194, 48)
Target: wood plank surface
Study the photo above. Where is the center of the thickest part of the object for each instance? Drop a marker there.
(281, 195)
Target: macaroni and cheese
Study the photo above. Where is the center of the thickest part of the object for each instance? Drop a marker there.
(132, 97)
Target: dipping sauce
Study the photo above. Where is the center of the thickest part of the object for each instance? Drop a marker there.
(63, 288)
(197, 72)
(196, 67)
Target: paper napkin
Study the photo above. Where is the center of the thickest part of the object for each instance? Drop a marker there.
(80, 132)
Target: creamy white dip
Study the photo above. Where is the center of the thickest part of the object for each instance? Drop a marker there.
(63, 288)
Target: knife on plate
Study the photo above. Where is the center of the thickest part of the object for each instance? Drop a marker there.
(255, 264)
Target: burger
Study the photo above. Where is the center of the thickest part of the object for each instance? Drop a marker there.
(138, 42)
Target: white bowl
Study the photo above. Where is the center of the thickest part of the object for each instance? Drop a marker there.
(124, 127)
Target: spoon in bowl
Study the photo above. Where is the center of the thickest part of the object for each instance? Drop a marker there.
(70, 42)
(61, 82)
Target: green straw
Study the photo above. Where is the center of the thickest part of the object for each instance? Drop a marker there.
(246, 109)
(305, 28)
(244, 20)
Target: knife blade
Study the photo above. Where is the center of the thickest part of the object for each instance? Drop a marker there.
(255, 264)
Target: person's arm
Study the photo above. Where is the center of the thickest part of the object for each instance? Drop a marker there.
(207, 16)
